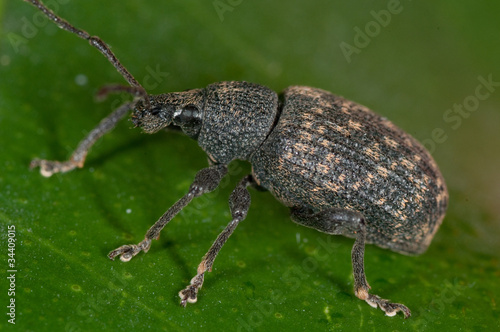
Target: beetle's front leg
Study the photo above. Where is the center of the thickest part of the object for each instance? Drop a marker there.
(239, 203)
(77, 159)
(205, 181)
(346, 222)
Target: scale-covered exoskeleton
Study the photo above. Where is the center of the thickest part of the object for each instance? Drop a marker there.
(341, 168)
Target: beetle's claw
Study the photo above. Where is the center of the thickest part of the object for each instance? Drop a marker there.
(127, 252)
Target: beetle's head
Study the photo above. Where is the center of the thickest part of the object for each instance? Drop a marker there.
(182, 109)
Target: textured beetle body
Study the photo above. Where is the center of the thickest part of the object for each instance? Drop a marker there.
(326, 151)
(316, 150)
(340, 168)
(234, 117)
(237, 118)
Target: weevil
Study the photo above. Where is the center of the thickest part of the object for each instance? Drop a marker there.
(340, 168)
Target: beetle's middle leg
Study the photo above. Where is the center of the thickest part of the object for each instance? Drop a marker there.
(342, 222)
(239, 203)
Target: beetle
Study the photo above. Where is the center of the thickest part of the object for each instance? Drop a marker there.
(340, 168)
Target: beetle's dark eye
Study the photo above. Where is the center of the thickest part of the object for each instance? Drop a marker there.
(189, 119)
(187, 114)
(163, 112)
(155, 111)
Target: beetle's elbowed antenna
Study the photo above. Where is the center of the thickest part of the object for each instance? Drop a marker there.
(98, 43)
(77, 159)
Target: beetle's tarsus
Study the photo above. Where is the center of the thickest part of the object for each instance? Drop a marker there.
(127, 252)
(50, 167)
(190, 293)
(390, 309)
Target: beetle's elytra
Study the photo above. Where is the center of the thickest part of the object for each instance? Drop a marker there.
(341, 168)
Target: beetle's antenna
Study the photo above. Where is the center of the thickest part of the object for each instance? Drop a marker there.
(98, 43)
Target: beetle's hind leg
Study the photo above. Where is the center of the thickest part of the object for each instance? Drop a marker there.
(239, 203)
(346, 222)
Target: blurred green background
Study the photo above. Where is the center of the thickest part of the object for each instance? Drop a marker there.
(418, 66)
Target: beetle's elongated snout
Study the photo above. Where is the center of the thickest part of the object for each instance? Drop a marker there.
(154, 119)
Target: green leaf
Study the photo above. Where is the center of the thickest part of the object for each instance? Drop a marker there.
(423, 65)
